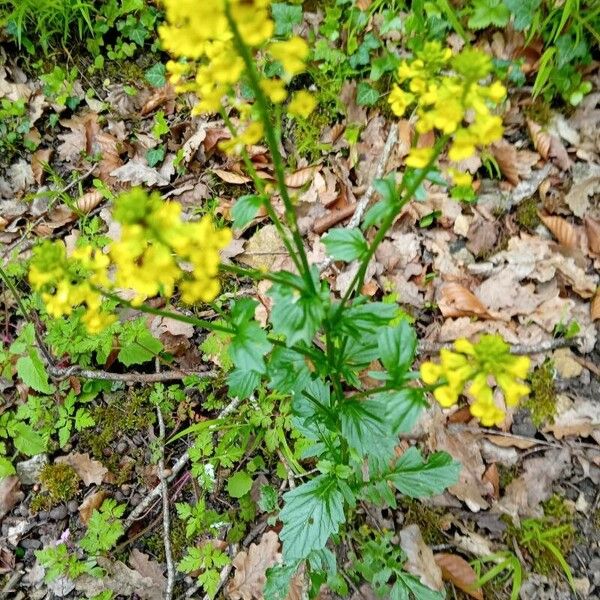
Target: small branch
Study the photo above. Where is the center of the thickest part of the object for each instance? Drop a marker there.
(65, 372)
(519, 349)
(360, 207)
(165, 503)
(332, 218)
(182, 461)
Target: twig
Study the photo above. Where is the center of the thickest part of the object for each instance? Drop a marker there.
(165, 500)
(362, 204)
(521, 349)
(182, 461)
(65, 372)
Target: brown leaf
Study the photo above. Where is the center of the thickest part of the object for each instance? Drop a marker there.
(89, 201)
(250, 568)
(457, 301)
(492, 476)
(163, 95)
(10, 494)
(420, 560)
(137, 172)
(7, 560)
(548, 145)
(149, 568)
(595, 307)
(458, 571)
(592, 229)
(39, 159)
(91, 471)
(300, 177)
(230, 177)
(566, 234)
(92, 502)
(511, 441)
(507, 158)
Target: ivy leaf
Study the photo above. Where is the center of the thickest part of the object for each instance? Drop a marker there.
(365, 427)
(239, 484)
(408, 586)
(32, 372)
(245, 209)
(138, 345)
(397, 347)
(311, 514)
(523, 12)
(345, 244)
(249, 344)
(297, 312)
(488, 12)
(366, 95)
(285, 17)
(156, 75)
(417, 478)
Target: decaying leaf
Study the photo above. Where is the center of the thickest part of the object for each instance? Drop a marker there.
(301, 177)
(565, 364)
(507, 158)
(586, 183)
(92, 502)
(566, 233)
(420, 560)
(148, 568)
(230, 177)
(10, 494)
(548, 145)
(457, 301)
(592, 229)
(139, 173)
(459, 572)
(91, 471)
(250, 568)
(595, 307)
(39, 160)
(89, 201)
(580, 419)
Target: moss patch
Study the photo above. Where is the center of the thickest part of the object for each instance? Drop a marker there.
(527, 214)
(428, 519)
(60, 483)
(542, 400)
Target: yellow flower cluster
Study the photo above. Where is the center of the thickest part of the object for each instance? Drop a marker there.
(157, 252)
(65, 283)
(199, 35)
(445, 90)
(478, 364)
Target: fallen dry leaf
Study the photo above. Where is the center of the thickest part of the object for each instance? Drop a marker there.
(91, 471)
(592, 229)
(89, 201)
(492, 477)
(138, 173)
(301, 177)
(10, 494)
(580, 419)
(230, 177)
(90, 504)
(39, 159)
(549, 145)
(507, 158)
(251, 566)
(566, 233)
(565, 364)
(149, 568)
(420, 560)
(459, 572)
(595, 307)
(457, 301)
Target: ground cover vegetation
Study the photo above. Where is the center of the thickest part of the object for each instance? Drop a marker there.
(292, 292)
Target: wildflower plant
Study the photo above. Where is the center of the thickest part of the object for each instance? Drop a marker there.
(316, 346)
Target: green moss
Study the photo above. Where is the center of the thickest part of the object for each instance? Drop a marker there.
(542, 400)
(59, 482)
(539, 111)
(154, 543)
(427, 518)
(506, 475)
(527, 214)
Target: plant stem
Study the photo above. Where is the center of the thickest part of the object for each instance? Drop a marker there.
(260, 186)
(258, 275)
(273, 143)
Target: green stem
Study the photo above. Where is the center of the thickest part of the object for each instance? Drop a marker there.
(258, 275)
(260, 186)
(273, 143)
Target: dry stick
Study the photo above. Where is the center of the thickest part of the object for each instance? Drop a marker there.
(434, 347)
(362, 204)
(182, 461)
(65, 372)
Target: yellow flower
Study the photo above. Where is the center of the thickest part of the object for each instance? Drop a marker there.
(302, 104)
(460, 178)
(400, 100)
(274, 89)
(487, 129)
(292, 54)
(463, 145)
(418, 158)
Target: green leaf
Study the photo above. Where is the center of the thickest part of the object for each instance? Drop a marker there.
(138, 345)
(311, 514)
(156, 75)
(366, 95)
(366, 318)
(297, 312)
(249, 344)
(32, 372)
(345, 244)
(83, 419)
(26, 439)
(397, 347)
(408, 586)
(242, 383)
(6, 467)
(277, 586)
(523, 12)
(245, 209)
(239, 484)
(287, 371)
(416, 478)
(160, 127)
(403, 408)
(388, 190)
(285, 17)
(365, 427)
(488, 12)
(155, 156)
